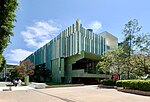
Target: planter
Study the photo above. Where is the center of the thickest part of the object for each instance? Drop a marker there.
(106, 86)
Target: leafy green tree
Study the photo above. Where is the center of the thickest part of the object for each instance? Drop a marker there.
(118, 60)
(133, 58)
(7, 17)
(3, 63)
(104, 64)
(142, 54)
(141, 64)
(41, 72)
(113, 61)
(141, 57)
(143, 44)
(130, 31)
(14, 75)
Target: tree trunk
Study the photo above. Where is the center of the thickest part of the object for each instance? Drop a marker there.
(128, 74)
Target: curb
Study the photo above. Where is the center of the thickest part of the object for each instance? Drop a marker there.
(57, 86)
(138, 92)
(105, 86)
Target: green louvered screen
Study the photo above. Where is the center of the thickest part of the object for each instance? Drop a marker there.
(69, 42)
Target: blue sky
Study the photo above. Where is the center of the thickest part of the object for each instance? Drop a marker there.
(38, 21)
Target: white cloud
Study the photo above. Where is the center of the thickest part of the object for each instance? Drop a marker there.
(17, 55)
(96, 26)
(36, 36)
(40, 33)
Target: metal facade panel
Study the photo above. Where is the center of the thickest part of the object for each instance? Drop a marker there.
(69, 42)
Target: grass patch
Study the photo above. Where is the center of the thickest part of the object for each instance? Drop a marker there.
(55, 85)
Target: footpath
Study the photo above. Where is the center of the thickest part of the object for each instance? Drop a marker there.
(13, 88)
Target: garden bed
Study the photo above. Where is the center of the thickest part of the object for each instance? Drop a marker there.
(139, 87)
(138, 92)
(106, 86)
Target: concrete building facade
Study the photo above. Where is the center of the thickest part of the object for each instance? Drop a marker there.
(72, 55)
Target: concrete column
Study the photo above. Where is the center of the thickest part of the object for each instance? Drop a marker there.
(68, 77)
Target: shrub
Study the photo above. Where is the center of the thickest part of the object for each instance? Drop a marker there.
(119, 83)
(109, 82)
(126, 84)
(134, 84)
(143, 85)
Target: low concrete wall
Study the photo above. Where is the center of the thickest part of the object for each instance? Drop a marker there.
(38, 85)
(106, 86)
(138, 92)
(67, 85)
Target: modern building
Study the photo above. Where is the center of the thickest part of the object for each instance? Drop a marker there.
(72, 55)
(2, 74)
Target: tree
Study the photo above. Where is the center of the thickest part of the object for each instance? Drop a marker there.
(7, 17)
(104, 64)
(113, 61)
(3, 63)
(26, 69)
(143, 44)
(132, 59)
(41, 72)
(46, 74)
(142, 55)
(141, 64)
(130, 32)
(118, 60)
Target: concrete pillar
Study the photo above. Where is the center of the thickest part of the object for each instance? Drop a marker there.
(68, 73)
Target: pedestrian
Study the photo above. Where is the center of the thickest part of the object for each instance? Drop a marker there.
(16, 82)
(19, 82)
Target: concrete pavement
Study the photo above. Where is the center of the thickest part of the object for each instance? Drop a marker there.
(71, 94)
(17, 88)
(3, 86)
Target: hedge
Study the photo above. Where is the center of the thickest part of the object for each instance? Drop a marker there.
(108, 82)
(143, 85)
(119, 83)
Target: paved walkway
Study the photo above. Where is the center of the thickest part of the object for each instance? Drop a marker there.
(70, 94)
(3, 86)
(17, 88)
